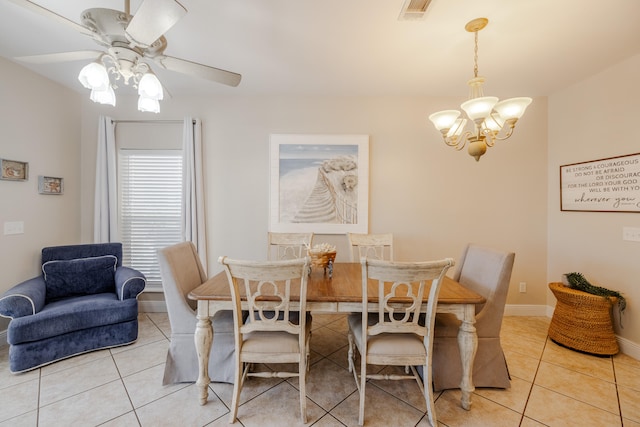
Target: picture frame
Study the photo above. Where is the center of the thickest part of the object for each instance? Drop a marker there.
(603, 185)
(319, 183)
(14, 170)
(50, 185)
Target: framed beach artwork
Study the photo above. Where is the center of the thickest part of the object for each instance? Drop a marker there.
(50, 185)
(319, 183)
(14, 170)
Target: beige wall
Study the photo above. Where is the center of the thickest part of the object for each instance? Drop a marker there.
(39, 124)
(434, 199)
(590, 120)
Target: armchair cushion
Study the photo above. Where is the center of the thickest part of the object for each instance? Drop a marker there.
(81, 276)
(65, 316)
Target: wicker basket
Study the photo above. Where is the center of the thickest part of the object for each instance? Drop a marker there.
(582, 321)
(322, 259)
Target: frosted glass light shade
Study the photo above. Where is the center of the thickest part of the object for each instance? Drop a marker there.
(148, 105)
(457, 128)
(479, 108)
(150, 87)
(106, 96)
(493, 122)
(444, 119)
(512, 108)
(94, 76)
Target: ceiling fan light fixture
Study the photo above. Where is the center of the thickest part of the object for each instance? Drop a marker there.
(106, 96)
(150, 87)
(148, 105)
(94, 76)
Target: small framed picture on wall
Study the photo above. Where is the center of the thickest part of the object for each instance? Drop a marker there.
(14, 170)
(50, 185)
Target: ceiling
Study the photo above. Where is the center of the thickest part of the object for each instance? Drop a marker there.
(358, 47)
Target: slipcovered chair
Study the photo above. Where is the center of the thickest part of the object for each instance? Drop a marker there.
(487, 272)
(181, 272)
(85, 300)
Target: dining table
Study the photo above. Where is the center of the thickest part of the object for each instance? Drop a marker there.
(340, 292)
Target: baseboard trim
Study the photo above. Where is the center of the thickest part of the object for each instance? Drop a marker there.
(526, 310)
(629, 347)
(152, 306)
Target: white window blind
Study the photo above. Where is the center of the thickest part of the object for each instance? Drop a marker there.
(150, 207)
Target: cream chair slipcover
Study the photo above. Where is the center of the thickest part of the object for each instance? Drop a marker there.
(394, 334)
(487, 272)
(288, 245)
(181, 272)
(270, 335)
(372, 246)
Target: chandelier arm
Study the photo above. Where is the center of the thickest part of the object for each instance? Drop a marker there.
(458, 142)
(511, 124)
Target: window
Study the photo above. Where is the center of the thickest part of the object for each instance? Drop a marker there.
(150, 207)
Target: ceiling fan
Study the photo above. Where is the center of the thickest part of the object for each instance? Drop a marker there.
(130, 41)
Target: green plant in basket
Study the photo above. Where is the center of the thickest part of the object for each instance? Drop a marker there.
(578, 281)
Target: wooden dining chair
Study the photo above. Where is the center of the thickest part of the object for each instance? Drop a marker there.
(372, 246)
(288, 245)
(273, 333)
(396, 335)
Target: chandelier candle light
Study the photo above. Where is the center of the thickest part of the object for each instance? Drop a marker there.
(493, 120)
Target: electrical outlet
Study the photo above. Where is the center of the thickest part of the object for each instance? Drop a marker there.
(631, 234)
(13, 227)
(523, 287)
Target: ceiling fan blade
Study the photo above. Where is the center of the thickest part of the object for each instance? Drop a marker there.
(153, 19)
(204, 71)
(52, 15)
(60, 57)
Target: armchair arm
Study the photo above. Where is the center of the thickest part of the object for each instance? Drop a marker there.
(24, 299)
(129, 282)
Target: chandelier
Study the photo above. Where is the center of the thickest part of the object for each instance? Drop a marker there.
(122, 65)
(492, 120)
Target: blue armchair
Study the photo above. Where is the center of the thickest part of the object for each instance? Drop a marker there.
(84, 300)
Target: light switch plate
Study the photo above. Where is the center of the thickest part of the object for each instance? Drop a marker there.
(631, 233)
(13, 227)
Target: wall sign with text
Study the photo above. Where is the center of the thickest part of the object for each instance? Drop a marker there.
(607, 185)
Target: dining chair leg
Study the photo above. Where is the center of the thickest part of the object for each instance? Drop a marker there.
(363, 381)
(302, 374)
(237, 386)
(427, 385)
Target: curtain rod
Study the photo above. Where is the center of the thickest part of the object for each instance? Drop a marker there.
(149, 121)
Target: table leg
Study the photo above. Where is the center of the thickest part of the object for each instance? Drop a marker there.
(203, 340)
(468, 344)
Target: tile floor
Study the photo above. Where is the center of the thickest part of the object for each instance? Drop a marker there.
(551, 386)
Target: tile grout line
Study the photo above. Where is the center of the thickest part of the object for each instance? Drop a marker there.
(533, 383)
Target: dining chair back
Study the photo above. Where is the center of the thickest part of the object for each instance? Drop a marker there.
(488, 272)
(273, 332)
(396, 334)
(372, 246)
(181, 272)
(288, 245)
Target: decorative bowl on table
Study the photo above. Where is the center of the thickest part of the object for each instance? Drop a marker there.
(323, 255)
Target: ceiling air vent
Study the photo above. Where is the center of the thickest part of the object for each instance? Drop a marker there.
(413, 9)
